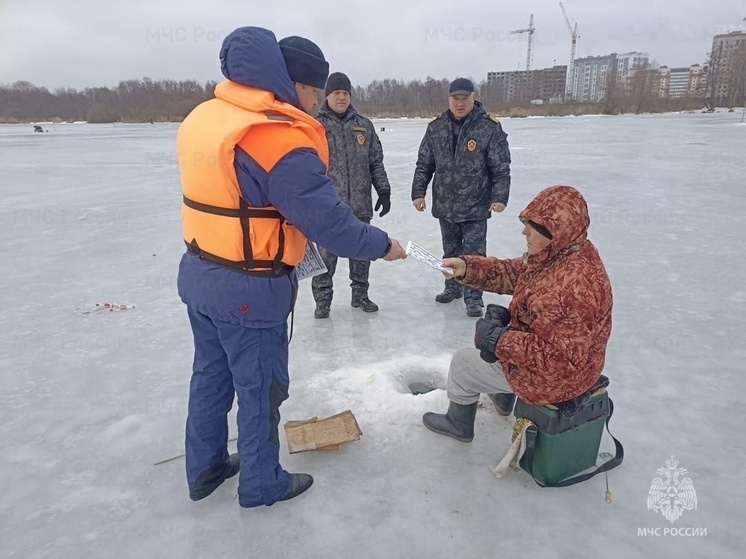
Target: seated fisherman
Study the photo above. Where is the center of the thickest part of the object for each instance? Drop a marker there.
(550, 346)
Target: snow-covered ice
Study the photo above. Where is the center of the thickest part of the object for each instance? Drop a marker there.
(89, 402)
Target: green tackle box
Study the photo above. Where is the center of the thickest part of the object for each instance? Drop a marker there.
(562, 447)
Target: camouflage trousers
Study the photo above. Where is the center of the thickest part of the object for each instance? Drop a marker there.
(322, 285)
(466, 237)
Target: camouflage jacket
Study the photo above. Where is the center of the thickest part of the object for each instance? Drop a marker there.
(355, 159)
(560, 315)
(469, 178)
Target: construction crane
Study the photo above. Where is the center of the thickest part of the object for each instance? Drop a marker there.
(530, 30)
(571, 66)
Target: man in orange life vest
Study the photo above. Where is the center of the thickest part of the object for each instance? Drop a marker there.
(253, 169)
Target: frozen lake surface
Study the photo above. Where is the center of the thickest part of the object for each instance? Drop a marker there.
(91, 400)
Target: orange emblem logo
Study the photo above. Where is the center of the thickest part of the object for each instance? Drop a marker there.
(360, 139)
(471, 145)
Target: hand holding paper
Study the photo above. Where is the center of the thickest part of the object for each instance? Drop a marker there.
(457, 266)
(419, 253)
(396, 252)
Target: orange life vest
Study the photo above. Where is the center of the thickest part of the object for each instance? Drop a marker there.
(218, 224)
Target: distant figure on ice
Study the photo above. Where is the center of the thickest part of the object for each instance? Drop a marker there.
(355, 163)
(550, 346)
(468, 153)
(253, 171)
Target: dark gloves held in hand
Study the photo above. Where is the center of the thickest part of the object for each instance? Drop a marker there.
(498, 313)
(489, 329)
(384, 202)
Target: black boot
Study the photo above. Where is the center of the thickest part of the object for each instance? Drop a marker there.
(473, 307)
(364, 303)
(298, 484)
(449, 294)
(503, 402)
(210, 480)
(457, 422)
(322, 311)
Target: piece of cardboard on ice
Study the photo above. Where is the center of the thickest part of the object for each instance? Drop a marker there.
(322, 434)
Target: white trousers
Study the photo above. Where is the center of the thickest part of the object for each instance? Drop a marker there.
(469, 376)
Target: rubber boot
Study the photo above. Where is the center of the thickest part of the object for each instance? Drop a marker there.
(457, 422)
(504, 402)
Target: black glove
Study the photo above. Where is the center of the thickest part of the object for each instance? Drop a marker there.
(384, 200)
(486, 335)
(498, 313)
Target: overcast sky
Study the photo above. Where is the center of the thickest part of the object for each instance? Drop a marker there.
(79, 43)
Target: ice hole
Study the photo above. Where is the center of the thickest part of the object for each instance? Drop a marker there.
(418, 382)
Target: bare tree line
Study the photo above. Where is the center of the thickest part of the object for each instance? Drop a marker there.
(131, 101)
(144, 100)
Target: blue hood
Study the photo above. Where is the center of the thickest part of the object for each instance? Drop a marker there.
(251, 56)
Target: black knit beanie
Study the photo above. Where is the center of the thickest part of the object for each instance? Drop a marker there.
(337, 81)
(305, 61)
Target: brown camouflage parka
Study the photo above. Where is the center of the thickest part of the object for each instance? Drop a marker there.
(561, 308)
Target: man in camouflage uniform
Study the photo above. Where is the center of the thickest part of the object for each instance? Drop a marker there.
(355, 162)
(468, 153)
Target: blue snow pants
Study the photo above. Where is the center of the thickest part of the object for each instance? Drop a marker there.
(251, 363)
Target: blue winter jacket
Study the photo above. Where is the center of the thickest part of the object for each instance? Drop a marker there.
(297, 187)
